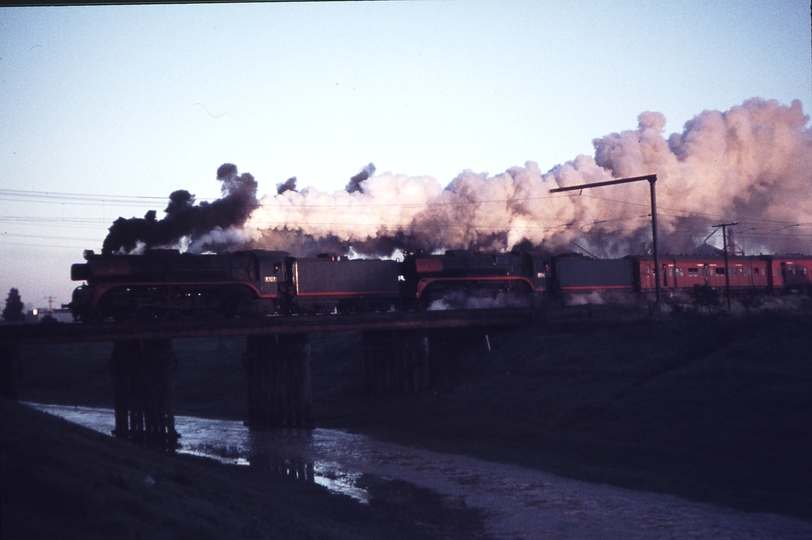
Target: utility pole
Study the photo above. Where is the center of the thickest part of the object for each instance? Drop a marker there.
(651, 179)
(724, 227)
(50, 299)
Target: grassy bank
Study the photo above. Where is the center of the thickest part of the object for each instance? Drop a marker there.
(64, 481)
(711, 408)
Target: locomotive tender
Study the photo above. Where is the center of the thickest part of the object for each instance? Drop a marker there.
(167, 284)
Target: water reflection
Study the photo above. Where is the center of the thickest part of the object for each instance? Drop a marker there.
(519, 503)
(297, 454)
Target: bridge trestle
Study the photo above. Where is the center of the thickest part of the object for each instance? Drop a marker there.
(9, 372)
(279, 385)
(144, 390)
(396, 360)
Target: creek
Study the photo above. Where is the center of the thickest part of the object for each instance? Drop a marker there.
(518, 503)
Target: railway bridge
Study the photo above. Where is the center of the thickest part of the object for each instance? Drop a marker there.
(397, 356)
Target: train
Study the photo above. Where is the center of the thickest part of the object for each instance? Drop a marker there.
(168, 284)
(683, 273)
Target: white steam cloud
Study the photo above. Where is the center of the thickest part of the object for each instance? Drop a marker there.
(751, 164)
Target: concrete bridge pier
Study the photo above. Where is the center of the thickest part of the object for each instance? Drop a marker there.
(279, 385)
(396, 360)
(144, 390)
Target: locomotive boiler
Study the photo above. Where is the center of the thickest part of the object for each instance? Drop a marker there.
(168, 284)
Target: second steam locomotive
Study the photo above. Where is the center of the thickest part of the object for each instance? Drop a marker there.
(174, 285)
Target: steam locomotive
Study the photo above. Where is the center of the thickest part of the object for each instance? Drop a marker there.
(169, 284)
(173, 285)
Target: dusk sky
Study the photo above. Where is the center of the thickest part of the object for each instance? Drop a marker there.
(105, 110)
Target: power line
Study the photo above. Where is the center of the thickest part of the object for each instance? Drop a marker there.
(90, 199)
(49, 246)
(78, 196)
(47, 237)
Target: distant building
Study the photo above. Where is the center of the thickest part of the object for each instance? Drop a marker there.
(36, 315)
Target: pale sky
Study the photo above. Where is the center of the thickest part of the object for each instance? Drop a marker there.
(105, 110)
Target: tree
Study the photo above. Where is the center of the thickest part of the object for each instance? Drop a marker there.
(14, 306)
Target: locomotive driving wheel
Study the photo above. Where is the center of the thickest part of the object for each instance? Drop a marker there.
(210, 304)
(149, 303)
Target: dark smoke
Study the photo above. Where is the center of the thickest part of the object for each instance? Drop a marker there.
(355, 181)
(287, 185)
(184, 219)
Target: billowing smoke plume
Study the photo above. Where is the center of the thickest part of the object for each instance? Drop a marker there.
(214, 225)
(751, 164)
(355, 182)
(287, 185)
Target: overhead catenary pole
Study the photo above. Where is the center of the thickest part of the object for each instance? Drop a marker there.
(724, 227)
(651, 179)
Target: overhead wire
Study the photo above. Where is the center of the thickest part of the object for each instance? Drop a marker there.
(85, 199)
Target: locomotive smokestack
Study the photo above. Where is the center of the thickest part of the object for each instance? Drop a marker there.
(205, 223)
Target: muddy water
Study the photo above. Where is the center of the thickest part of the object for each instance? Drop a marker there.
(518, 503)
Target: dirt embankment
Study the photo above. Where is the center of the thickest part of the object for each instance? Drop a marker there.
(710, 408)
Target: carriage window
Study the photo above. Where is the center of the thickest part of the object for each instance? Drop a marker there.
(720, 271)
(804, 271)
(755, 271)
(693, 272)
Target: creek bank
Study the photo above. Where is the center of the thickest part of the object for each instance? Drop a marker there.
(713, 409)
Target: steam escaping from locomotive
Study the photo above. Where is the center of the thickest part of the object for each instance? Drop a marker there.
(204, 226)
(752, 164)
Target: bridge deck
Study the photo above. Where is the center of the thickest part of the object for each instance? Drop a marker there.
(75, 333)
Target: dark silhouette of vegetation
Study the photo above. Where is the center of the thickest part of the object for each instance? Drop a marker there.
(752, 299)
(705, 296)
(14, 307)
